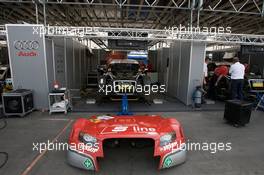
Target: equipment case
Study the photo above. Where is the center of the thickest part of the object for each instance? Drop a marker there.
(18, 102)
(237, 112)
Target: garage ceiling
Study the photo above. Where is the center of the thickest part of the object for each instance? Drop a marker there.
(245, 17)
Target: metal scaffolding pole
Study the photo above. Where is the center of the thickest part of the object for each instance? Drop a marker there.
(262, 8)
(37, 17)
(44, 12)
(198, 18)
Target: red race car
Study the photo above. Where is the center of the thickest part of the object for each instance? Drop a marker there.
(89, 135)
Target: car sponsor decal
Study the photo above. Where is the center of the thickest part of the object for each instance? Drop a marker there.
(114, 129)
(125, 120)
(94, 120)
(139, 129)
(100, 118)
(120, 128)
(131, 128)
(167, 162)
(88, 164)
(92, 150)
(90, 147)
(169, 146)
(104, 117)
(152, 133)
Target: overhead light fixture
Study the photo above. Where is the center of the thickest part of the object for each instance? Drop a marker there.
(210, 38)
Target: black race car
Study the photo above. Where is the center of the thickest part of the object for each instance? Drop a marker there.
(122, 76)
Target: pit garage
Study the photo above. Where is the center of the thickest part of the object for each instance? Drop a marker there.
(136, 87)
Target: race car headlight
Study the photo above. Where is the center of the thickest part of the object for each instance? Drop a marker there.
(86, 138)
(167, 138)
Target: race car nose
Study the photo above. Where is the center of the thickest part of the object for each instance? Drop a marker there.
(174, 158)
(79, 160)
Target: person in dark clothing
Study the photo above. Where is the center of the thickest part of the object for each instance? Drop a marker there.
(219, 73)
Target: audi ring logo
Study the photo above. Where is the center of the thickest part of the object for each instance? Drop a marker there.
(26, 48)
(26, 45)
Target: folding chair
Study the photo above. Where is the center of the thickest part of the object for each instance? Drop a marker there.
(257, 86)
(260, 103)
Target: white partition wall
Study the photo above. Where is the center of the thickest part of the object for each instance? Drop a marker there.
(59, 60)
(196, 68)
(37, 61)
(69, 66)
(162, 59)
(50, 62)
(185, 69)
(27, 57)
(174, 69)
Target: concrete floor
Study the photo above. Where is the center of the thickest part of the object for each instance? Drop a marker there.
(170, 104)
(246, 156)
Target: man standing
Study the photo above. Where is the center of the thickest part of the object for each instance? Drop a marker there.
(205, 70)
(237, 72)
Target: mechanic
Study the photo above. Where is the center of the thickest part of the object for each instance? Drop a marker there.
(205, 70)
(237, 72)
(219, 73)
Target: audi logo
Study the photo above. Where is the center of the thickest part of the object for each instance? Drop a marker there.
(26, 45)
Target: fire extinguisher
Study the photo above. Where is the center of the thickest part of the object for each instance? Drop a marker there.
(197, 96)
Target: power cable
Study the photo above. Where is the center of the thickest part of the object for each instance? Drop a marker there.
(5, 154)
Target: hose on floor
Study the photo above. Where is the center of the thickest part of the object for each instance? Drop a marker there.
(5, 154)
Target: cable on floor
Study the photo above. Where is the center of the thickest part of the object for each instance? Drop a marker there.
(5, 154)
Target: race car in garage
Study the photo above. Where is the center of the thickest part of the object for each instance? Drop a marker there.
(89, 136)
(122, 76)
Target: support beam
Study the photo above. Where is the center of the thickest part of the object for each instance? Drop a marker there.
(262, 14)
(153, 34)
(37, 17)
(44, 13)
